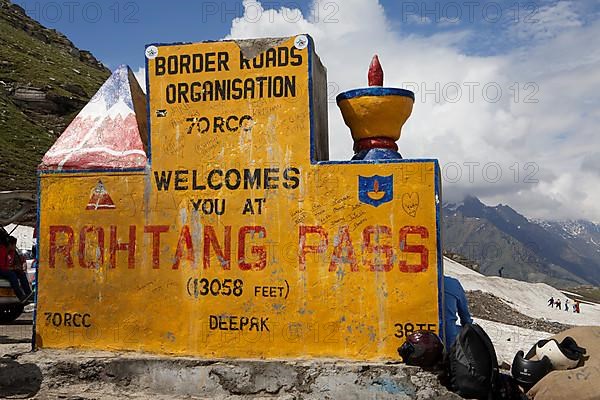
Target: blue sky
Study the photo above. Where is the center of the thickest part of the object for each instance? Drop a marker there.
(117, 30)
(506, 92)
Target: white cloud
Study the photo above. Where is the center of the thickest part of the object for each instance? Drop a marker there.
(536, 131)
(547, 21)
(418, 19)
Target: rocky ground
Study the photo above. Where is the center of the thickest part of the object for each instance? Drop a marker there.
(97, 375)
(74, 375)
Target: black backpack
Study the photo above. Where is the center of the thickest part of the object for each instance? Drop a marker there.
(473, 366)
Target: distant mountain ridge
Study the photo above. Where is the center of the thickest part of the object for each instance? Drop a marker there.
(500, 240)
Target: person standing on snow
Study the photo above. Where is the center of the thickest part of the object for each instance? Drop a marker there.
(551, 302)
(567, 305)
(557, 303)
(456, 302)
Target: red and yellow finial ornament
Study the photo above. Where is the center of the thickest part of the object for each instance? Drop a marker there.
(375, 115)
(375, 72)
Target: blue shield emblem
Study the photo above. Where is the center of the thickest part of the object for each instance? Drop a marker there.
(375, 190)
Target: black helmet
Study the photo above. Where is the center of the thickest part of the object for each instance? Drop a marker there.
(422, 349)
(529, 372)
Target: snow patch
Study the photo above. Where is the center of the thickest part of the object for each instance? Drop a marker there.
(530, 299)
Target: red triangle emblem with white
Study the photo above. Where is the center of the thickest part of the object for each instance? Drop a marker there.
(100, 199)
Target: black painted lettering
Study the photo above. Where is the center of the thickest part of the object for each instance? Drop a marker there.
(260, 203)
(185, 63)
(195, 185)
(209, 62)
(296, 57)
(270, 178)
(290, 86)
(197, 63)
(219, 210)
(229, 127)
(207, 91)
(236, 90)
(248, 207)
(207, 207)
(181, 179)
(218, 123)
(182, 90)
(244, 62)
(248, 88)
(223, 59)
(196, 203)
(252, 179)
(283, 56)
(171, 93)
(254, 324)
(290, 176)
(211, 184)
(271, 58)
(163, 182)
(263, 324)
(258, 61)
(159, 66)
(172, 65)
(196, 92)
(233, 179)
(244, 119)
(203, 121)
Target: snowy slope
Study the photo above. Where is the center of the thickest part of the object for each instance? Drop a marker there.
(528, 298)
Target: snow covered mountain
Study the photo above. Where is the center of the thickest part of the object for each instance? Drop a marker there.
(585, 234)
(502, 241)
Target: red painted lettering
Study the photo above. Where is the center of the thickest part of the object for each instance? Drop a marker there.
(97, 251)
(210, 238)
(185, 239)
(156, 230)
(115, 246)
(378, 251)
(259, 251)
(414, 248)
(304, 249)
(64, 249)
(343, 251)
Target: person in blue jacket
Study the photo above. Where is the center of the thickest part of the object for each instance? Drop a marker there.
(456, 303)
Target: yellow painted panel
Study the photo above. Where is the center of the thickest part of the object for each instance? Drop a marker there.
(235, 244)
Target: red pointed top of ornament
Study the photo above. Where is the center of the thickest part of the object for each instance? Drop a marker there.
(375, 72)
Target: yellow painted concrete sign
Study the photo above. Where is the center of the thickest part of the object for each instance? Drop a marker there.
(239, 239)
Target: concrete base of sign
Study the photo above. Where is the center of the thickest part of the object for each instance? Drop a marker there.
(82, 375)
